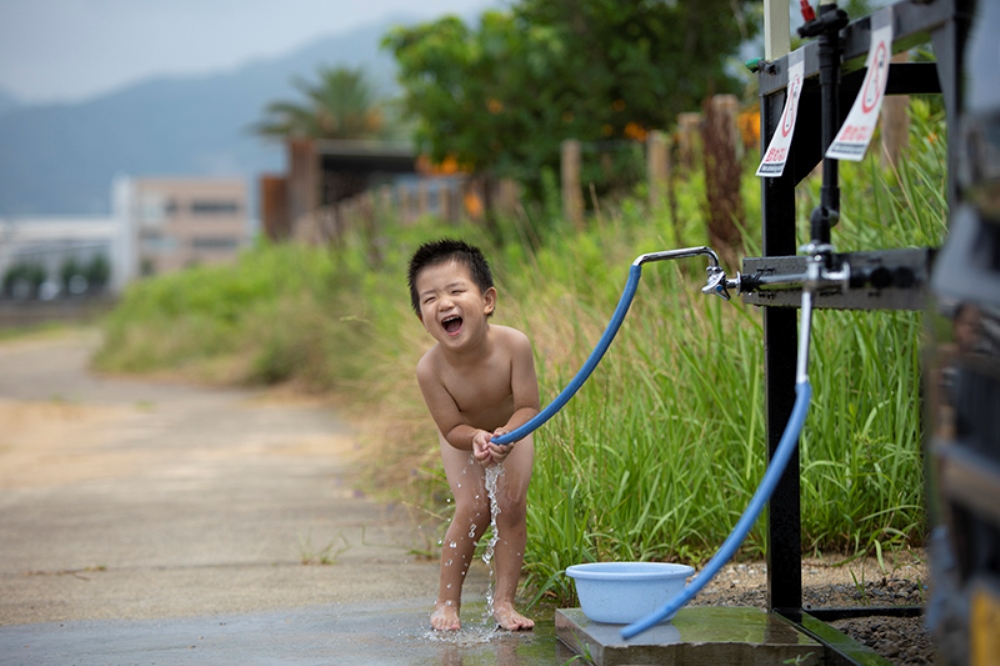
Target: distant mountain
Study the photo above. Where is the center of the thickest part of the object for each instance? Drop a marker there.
(7, 102)
(61, 159)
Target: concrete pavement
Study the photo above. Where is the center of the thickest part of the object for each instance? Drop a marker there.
(149, 522)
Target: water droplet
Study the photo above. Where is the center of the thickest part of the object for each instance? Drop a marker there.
(448, 563)
(449, 586)
(447, 603)
(454, 544)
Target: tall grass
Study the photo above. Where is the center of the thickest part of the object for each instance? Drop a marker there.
(661, 450)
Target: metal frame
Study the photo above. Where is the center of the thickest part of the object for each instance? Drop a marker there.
(945, 24)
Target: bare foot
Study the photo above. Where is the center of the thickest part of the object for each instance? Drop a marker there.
(510, 619)
(445, 617)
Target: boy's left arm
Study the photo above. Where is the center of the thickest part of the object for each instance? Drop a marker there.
(524, 385)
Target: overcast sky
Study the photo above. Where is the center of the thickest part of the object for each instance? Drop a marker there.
(69, 50)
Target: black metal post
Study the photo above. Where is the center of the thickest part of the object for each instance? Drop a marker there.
(784, 556)
(839, 48)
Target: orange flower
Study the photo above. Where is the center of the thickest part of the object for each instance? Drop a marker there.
(473, 205)
(748, 123)
(635, 131)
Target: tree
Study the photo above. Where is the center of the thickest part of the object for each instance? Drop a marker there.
(502, 98)
(67, 271)
(342, 105)
(97, 271)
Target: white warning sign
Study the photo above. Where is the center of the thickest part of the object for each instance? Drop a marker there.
(856, 133)
(773, 163)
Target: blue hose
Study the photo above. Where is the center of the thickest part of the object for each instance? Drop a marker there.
(775, 469)
(595, 357)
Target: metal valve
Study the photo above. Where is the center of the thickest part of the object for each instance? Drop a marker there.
(716, 283)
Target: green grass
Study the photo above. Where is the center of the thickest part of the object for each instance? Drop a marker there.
(660, 452)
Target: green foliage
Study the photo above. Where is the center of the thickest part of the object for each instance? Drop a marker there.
(275, 315)
(502, 97)
(68, 270)
(97, 271)
(341, 105)
(30, 273)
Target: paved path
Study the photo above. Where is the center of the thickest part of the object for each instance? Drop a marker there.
(147, 522)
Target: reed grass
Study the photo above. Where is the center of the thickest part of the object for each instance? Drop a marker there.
(660, 452)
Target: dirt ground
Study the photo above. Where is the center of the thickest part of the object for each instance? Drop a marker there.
(901, 580)
(126, 499)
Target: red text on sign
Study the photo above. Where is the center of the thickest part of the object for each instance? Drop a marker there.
(855, 133)
(776, 155)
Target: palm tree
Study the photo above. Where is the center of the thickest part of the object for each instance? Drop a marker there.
(342, 105)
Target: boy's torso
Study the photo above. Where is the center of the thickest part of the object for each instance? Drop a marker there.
(481, 384)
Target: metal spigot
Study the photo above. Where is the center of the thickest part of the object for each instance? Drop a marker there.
(716, 283)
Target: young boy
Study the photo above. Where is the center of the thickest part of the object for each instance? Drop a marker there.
(478, 381)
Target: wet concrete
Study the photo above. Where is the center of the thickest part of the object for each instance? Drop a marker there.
(370, 634)
(147, 522)
(696, 636)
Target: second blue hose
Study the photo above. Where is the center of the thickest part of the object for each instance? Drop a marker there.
(775, 469)
(595, 357)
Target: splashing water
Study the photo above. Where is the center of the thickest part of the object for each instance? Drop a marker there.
(466, 638)
(493, 473)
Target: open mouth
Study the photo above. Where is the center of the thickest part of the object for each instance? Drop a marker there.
(452, 325)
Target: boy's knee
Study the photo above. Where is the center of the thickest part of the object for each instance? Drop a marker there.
(513, 512)
(473, 513)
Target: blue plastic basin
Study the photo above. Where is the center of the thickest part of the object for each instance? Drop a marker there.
(624, 592)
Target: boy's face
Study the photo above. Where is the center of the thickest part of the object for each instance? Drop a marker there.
(452, 308)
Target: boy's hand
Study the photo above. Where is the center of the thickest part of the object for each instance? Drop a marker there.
(481, 446)
(499, 452)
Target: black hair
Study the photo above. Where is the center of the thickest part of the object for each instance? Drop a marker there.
(447, 249)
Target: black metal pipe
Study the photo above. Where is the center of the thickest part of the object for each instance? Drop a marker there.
(827, 26)
(829, 70)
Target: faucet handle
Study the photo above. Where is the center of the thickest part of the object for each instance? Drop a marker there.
(716, 283)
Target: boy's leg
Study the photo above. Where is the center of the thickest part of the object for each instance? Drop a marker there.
(466, 478)
(512, 493)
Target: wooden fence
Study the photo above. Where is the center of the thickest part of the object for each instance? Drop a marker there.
(714, 140)
(450, 198)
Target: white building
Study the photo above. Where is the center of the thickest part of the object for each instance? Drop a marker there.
(52, 242)
(157, 225)
(180, 222)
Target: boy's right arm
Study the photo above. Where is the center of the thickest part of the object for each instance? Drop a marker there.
(446, 414)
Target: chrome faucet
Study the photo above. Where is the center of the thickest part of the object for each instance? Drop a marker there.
(717, 282)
